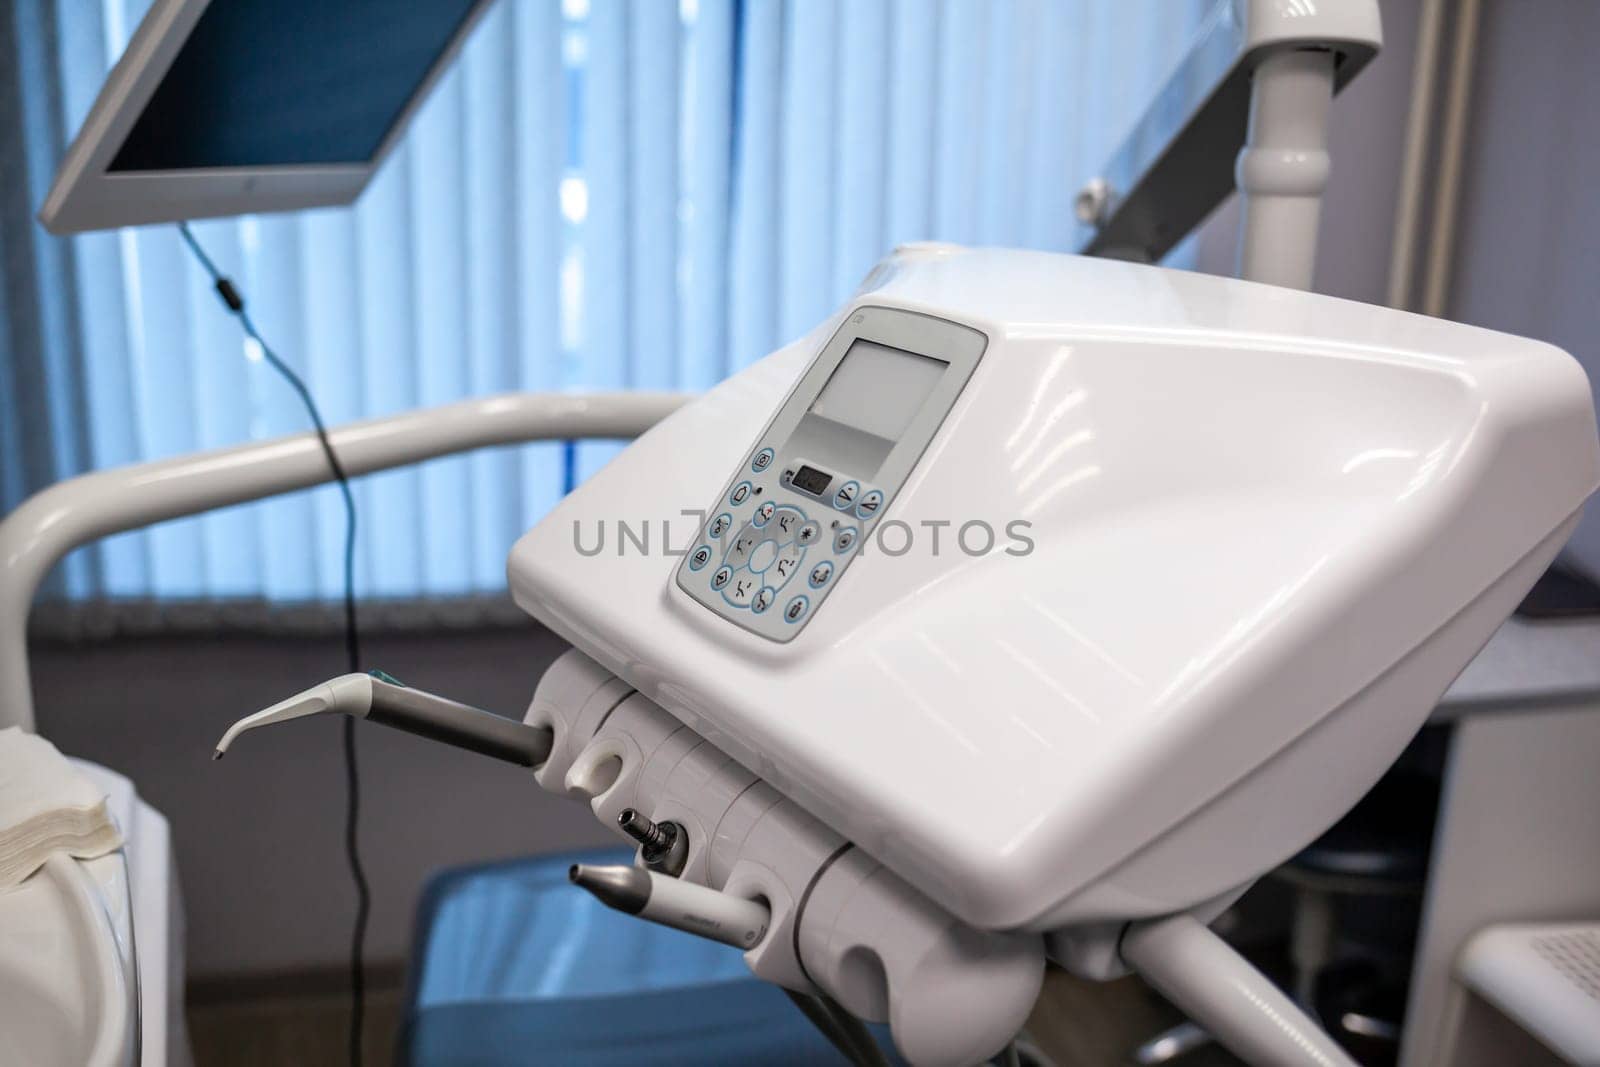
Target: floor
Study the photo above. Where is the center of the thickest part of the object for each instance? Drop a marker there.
(1090, 1024)
(301, 1022)
(292, 1021)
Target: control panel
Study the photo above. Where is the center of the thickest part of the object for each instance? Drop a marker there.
(807, 495)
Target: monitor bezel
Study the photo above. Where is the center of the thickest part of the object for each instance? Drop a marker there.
(87, 195)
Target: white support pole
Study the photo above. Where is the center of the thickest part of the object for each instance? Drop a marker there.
(1218, 988)
(1283, 167)
(56, 520)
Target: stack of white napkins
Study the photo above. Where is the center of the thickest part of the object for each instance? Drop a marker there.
(46, 806)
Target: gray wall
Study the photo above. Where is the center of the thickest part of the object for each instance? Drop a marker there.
(1528, 233)
(259, 835)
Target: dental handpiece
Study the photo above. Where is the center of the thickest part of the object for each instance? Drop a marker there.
(385, 701)
(676, 903)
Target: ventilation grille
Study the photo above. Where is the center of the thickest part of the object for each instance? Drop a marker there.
(1576, 954)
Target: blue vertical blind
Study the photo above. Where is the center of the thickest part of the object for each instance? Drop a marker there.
(600, 194)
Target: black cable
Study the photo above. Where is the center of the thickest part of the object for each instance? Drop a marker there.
(352, 644)
(844, 1031)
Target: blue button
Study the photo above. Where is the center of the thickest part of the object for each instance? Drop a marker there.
(763, 513)
(846, 495)
(871, 501)
(699, 557)
(740, 493)
(720, 578)
(844, 540)
(797, 609)
(808, 533)
(763, 599)
(820, 574)
(762, 461)
(719, 525)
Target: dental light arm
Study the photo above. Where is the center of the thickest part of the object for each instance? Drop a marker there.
(1246, 109)
(387, 702)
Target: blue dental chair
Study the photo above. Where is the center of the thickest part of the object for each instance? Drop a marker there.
(513, 965)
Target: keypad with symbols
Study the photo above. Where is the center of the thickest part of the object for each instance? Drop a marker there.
(770, 553)
(806, 498)
(766, 554)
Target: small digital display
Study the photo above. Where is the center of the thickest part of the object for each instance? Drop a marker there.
(865, 407)
(877, 389)
(811, 480)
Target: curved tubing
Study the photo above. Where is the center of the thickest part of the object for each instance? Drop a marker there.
(1220, 990)
(56, 520)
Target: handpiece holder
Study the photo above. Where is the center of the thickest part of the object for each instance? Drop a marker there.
(813, 913)
(386, 701)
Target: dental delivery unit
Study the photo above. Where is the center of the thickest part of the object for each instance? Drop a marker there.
(1030, 607)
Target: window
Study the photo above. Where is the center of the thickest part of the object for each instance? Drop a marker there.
(599, 195)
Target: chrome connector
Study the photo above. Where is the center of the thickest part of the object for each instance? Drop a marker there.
(664, 846)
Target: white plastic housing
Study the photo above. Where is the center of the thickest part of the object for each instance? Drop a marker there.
(1543, 976)
(840, 922)
(950, 993)
(1265, 530)
(91, 950)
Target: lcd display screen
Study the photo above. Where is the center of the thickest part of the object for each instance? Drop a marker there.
(878, 389)
(267, 83)
(865, 406)
(811, 480)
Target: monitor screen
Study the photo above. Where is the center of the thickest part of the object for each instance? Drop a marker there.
(267, 83)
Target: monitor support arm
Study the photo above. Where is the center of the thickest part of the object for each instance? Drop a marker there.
(1246, 110)
(1283, 168)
